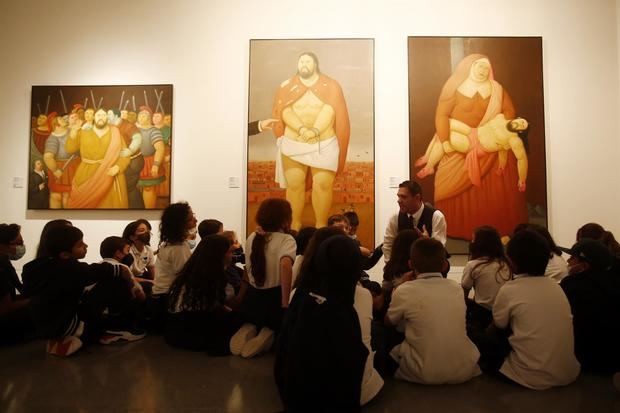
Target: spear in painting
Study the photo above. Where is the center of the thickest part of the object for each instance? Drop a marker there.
(47, 105)
(62, 98)
(146, 100)
(160, 107)
(126, 103)
(85, 103)
(39, 107)
(133, 100)
(100, 102)
(120, 105)
(93, 97)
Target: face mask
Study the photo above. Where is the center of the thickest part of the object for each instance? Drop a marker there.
(20, 250)
(145, 238)
(192, 243)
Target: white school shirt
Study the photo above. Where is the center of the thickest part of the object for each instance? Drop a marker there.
(371, 380)
(278, 245)
(557, 268)
(141, 260)
(170, 261)
(485, 279)
(436, 349)
(538, 312)
(297, 268)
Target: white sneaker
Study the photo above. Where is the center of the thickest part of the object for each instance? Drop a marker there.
(259, 344)
(112, 336)
(241, 337)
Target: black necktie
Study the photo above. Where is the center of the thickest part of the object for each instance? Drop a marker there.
(411, 222)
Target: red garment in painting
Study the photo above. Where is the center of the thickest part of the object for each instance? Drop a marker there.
(329, 92)
(496, 201)
(63, 184)
(39, 137)
(469, 189)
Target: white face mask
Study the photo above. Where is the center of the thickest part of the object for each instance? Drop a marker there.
(192, 243)
(20, 251)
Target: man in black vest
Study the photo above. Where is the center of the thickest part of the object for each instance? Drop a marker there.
(414, 214)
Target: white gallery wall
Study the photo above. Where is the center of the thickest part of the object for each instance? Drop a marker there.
(202, 48)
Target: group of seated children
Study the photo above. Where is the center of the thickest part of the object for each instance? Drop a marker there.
(533, 318)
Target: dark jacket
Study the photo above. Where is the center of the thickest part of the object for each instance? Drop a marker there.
(60, 285)
(594, 297)
(320, 357)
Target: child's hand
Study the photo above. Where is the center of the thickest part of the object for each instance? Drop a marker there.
(137, 292)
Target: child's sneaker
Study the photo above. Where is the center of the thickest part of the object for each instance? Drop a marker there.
(64, 347)
(259, 344)
(241, 337)
(112, 336)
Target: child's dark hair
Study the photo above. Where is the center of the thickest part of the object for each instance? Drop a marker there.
(202, 281)
(354, 220)
(173, 225)
(529, 252)
(111, 245)
(303, 239)
(337, 218)
(486, 244)
(62, 239)
(8, 232)
(209, 227)
(401, 253)
(487, 247)
(428, 255)
(132, 227)
(320, 236)
(273, 215)
(50, 225)
(597, 232)
(542, 231)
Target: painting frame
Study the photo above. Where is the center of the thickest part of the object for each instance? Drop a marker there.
(261, 92)
(131, 140)
(516, 64)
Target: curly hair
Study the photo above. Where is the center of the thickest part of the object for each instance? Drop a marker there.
(173, 224)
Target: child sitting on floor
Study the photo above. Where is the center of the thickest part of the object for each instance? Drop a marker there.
(138, 233)
(436, 349)
(63, 311)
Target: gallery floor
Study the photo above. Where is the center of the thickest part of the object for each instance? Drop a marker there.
(149, 376)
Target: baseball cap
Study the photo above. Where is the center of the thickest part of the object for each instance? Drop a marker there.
(591, 251)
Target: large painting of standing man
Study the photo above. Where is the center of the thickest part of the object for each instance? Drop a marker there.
(477, 134)
(311, 127)
(100, 147)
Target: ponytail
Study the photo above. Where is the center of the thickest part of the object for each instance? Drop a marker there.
(258, 262)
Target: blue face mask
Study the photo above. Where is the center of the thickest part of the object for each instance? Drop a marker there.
(192, 243)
